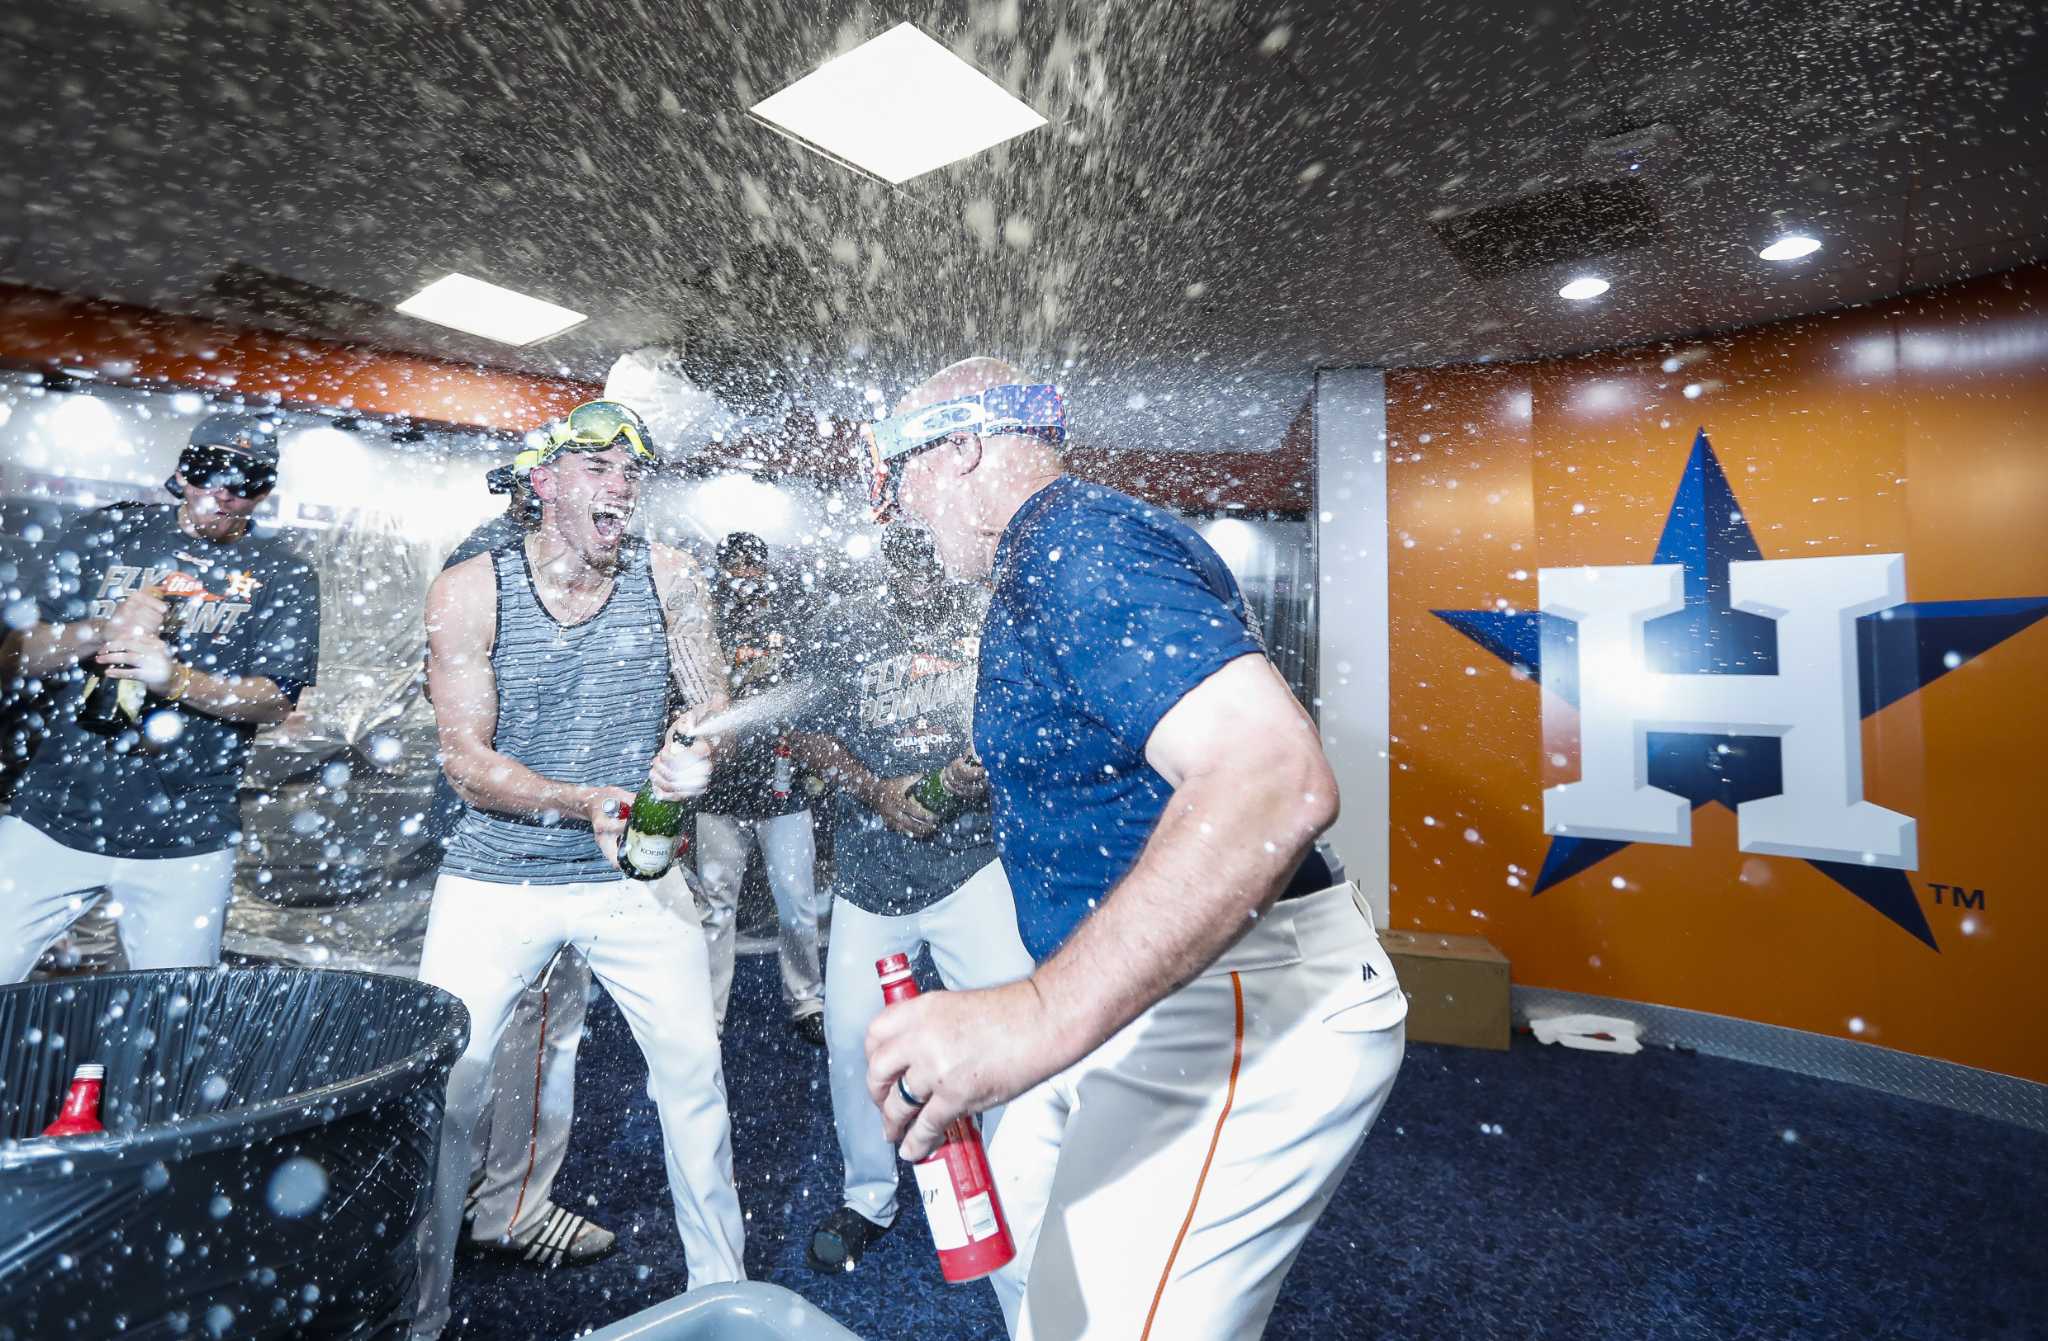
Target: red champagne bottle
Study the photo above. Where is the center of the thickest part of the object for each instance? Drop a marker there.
(80, 1115)
(785, 771)
(959, 1193)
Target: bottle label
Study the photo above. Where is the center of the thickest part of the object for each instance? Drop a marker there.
(649, 853)
(129, 695)
(979, 1213)
(941, 1207)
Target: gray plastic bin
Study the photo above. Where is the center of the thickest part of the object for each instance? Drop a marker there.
(748, 1310)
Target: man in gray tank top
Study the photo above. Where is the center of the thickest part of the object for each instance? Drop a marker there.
(553, 663)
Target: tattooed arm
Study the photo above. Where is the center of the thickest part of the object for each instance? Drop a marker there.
(695, 659)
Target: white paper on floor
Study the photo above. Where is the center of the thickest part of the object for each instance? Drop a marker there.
(1594, 1033)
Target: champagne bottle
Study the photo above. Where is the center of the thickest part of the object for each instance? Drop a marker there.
(954, 1182)
(934, 795)
(102, 711)
(654, 833)
(110, 706)
(784, 771)
(80, 1115)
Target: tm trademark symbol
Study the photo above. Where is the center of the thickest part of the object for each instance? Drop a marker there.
(1958, 895)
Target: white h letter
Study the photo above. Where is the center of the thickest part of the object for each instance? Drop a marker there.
(1811, 705)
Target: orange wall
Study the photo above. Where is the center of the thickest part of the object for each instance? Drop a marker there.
(1918, 428)
(130, 345)
(135, 346)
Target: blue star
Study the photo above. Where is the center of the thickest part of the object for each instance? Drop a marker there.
(1899, 651)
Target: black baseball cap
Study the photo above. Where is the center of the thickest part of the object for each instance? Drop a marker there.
(246, 440)
(742, 549)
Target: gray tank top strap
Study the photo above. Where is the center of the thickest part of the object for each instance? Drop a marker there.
(583, 703)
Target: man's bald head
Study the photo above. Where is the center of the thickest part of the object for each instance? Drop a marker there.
(967, 486)
(968, 377)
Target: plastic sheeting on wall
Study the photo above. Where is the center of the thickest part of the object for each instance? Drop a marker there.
(337, 862)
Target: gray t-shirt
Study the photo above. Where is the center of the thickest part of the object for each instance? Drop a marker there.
(173, 796)
(901, 700)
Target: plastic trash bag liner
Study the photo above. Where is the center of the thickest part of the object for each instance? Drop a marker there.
(748, 1310)
(268, 1155)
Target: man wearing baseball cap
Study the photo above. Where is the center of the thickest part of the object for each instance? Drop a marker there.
(148, 813)
(752, 802)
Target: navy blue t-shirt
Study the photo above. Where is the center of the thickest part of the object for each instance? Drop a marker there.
(1106, 612)
(260, 617)
(899, 696)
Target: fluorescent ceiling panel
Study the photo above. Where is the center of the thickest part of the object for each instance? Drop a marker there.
(1791, 248)
(470, 304)
(899, 106)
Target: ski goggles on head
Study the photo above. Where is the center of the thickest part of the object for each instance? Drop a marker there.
(1038, 409)
(232, 472)
(596, 425)
(505, 479)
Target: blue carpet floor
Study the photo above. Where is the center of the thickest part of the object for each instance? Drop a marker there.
(1661, 1195)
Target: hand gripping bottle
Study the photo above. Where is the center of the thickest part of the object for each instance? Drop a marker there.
(654, 832)
(109, 706)
(80, 1115)
(931, 792)
(959, 1193)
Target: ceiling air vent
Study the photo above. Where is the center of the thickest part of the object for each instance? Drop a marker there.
(1569, 224)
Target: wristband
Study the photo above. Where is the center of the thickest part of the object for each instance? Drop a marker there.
(181, 680)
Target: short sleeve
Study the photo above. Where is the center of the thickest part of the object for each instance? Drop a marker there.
(59, 581)
(1132, 612)
(288, 649)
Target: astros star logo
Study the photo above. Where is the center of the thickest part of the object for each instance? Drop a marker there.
(241, 586)
(1714, 675)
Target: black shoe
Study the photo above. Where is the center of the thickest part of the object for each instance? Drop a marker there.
(837, 1244)
(810, 1028)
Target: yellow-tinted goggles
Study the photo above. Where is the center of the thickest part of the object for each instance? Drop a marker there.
(595, 425)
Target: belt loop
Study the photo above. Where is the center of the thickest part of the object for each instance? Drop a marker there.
(1359, 902)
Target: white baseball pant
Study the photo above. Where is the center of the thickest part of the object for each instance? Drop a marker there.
(789, 853)
(1161, 1186)
(973, 937)
(525, 1130)
(487, 943)
(169, 910)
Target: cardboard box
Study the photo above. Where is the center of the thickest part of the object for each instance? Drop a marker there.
(1457, 988)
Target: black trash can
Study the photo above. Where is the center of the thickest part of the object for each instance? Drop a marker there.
(268, 1158)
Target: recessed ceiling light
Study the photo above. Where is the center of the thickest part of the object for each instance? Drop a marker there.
(898, 106)
(1790, 248)
(1584, 287)
(471, 305)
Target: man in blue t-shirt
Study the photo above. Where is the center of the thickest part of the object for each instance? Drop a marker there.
(146, 808)
(1212, 1026)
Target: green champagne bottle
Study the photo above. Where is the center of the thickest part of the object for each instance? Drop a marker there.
(654, 833)
(932, 793)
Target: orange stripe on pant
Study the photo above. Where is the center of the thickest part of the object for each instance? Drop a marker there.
(1215, 1138)
(540, 1059)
